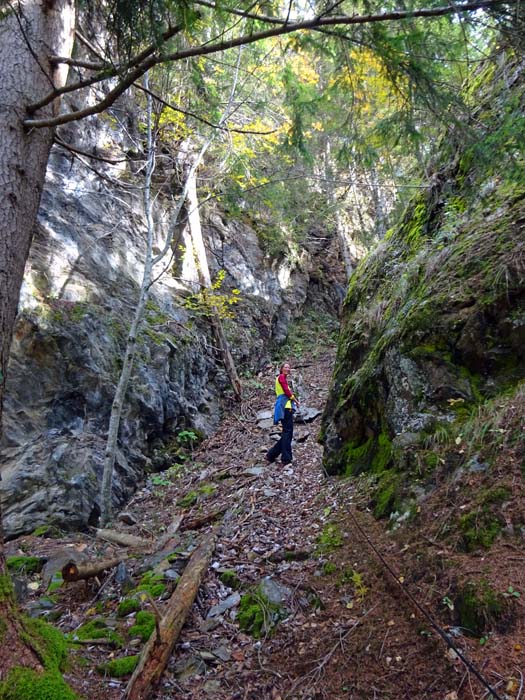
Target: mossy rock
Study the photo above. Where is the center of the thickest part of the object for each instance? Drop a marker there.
(117, 668)
(479, 607)
(387, 494)
(357, 457)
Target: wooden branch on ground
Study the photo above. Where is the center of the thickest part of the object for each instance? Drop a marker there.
(159, 647)
(289, 555)
(171, 531)
(104, 641)
(196, 523)
(122, 538)
(78, 572)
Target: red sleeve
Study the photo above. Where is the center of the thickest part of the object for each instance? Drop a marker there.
(284, 383)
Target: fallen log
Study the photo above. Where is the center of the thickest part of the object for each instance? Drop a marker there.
(73, 571)
(122, 538)
(159, 647)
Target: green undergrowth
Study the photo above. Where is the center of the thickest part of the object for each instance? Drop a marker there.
(311, 334)
(229, 578)
(152, 584)
(330, 539)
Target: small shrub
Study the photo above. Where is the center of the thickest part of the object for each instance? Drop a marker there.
(330, 539)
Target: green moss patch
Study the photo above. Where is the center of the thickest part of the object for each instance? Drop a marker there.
(357, 458)
(230, 578)
(47, 531)
(6, 588)
(482, 525)
(257, 615)
(189, 499)
(25, 565)
(144, 625)
(128, 606)
(387, 495)
(25, 684)
(117, 668)
(96, 629)
(479, 607)
(152, 583)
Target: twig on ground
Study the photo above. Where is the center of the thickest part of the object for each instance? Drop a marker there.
(383, 644)
(518, 696)
(316, 673)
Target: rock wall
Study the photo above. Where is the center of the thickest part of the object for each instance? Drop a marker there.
(77, 301)
(434, 320)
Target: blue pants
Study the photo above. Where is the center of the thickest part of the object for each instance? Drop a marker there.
(283, 446)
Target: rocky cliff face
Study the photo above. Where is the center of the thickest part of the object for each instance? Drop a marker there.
(434, 320)
(78, 298)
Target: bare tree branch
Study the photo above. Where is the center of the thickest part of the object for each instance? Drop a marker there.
(78, 151)
(77, 63)
(219, 126)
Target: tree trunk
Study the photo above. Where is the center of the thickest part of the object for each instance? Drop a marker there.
(29, 34)
(194, 223)
(30, 31)
(340, 229)
(131, 345)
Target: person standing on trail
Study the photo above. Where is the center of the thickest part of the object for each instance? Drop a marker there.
(285, 405)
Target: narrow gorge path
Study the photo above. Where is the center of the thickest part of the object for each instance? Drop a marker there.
(331, 623)
(338, 628)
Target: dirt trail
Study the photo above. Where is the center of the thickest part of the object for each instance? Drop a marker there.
(345, 634)
(341, 627)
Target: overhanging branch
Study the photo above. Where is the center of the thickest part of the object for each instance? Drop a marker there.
(140, 67)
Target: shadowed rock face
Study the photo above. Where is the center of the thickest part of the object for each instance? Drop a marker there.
(77, 302)
(434, 321)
